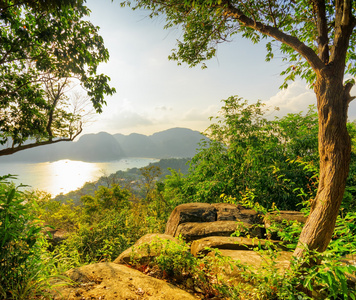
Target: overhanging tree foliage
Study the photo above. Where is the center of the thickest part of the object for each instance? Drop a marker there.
(46, 47)
(317, 38)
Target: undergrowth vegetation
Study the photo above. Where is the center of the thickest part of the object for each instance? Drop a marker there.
(262, 164)
(25, 266)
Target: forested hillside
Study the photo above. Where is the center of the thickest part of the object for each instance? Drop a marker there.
(174, 142)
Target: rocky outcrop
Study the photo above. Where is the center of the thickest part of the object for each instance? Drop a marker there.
(193, 231)
(145, 248)
(207, 226)
(198, 220)
(190, 212)
(111, 281)
(210, 226)
(255, 259)
(203, 246)
(280, 217)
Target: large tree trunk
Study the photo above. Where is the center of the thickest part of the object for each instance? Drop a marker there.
(334, 150)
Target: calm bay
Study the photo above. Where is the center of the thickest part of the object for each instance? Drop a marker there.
(63, 176)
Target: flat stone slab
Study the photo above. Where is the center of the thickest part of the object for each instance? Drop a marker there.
(190, 212)
(228, 243)
(143, 254)
(227, 211)
(280, 217)
(255, 259)
(111, 281)
(193, 231)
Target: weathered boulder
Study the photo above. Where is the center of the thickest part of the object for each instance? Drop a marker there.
(250, 216)
(228, 243)
(193, 231)
(350, 259)
(255, 259)
(111, 281)
(145, 248)
(285, 215)
(55, 236)
(185, 220)
(279, 218)
(190, 212)
(227, 211)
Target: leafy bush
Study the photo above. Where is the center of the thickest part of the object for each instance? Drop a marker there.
(108, 224)
(176, 264)
(247, 151)
(66, 216)
(24, 270)
(101, 241)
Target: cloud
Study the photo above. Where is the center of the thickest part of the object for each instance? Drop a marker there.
(129, 119)
(195, 114)
(296, 98)
(163, 108)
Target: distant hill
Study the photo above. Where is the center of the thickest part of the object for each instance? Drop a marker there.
(137, 145)
(97, 147)
(174, 142)
(100, 147)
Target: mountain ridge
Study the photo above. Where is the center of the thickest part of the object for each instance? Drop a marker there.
(103, 147)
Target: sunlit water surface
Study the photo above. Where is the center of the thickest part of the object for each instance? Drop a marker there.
(63, 176)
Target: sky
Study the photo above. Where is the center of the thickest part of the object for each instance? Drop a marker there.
(155, 94)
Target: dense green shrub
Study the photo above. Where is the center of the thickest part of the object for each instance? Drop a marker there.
(24, 265)
(100, 241)
(247, 151)
(106, 224)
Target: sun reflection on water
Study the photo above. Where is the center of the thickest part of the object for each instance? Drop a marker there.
(63, 176)
(68, 175)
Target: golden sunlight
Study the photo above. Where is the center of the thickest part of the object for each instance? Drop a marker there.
(68, 175)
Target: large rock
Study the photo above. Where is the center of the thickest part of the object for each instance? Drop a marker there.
(194, 231)
(227, 211)
(285, 215)
(202, 246)
(255, 259)
(281, 217)
(190, 212)
(145, 248)
(250, 216)
(207, 213)
(111, 281)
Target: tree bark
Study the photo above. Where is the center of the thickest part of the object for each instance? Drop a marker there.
(334, 148)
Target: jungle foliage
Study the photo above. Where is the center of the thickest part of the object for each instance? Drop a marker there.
(317, 41)
(273, 162)
(46, 48)
(276, 158)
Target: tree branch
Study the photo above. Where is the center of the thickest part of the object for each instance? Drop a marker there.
(344, 26)
(272, 13)
(322, 27)
(293, 42)
(8, 151)
(347, 88)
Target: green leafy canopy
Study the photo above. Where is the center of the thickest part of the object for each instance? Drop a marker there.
(292, 26)
(41, 55)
